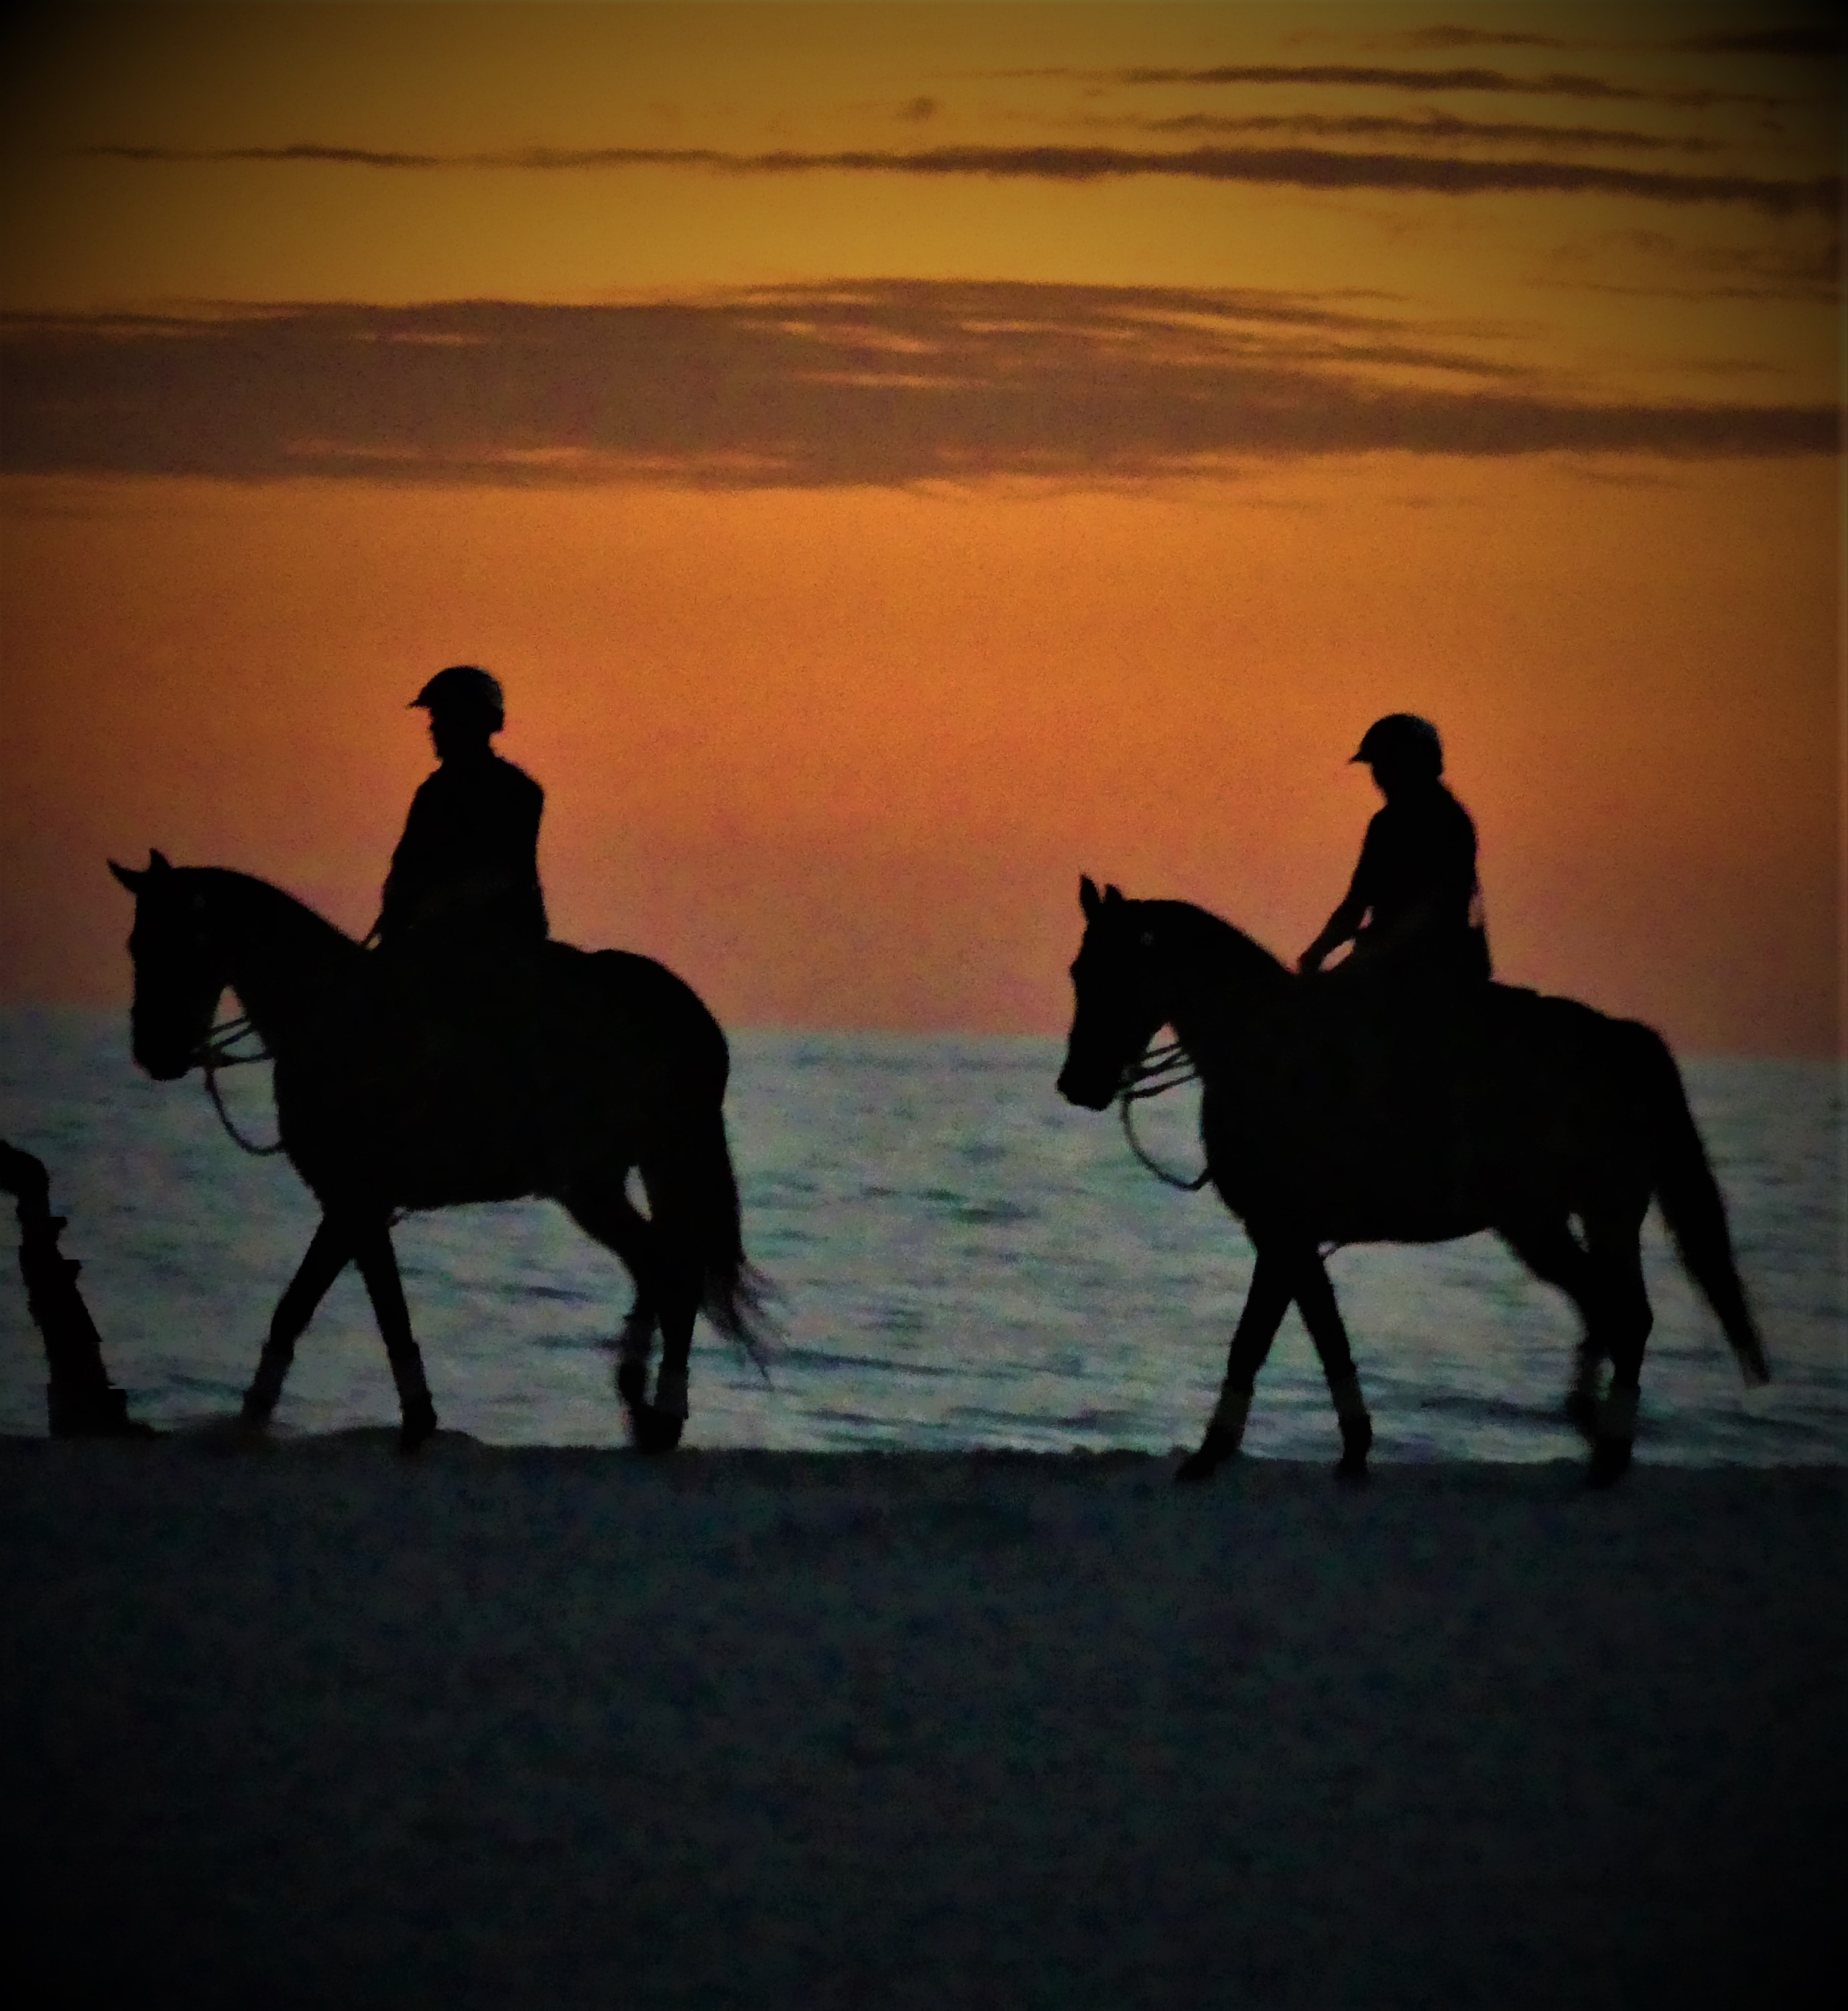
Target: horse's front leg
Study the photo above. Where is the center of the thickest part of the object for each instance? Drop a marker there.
(1315, 1301)
(324, 1259)
(379, 1266)
(1265, 1305)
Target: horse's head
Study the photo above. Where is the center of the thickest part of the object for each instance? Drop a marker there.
(1117, 1009)
(180, 967)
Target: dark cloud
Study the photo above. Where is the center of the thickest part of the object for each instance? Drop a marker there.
(890, 382)
(1439, 128)
(1386, 77)
(1293, 167)
(1814, 39)
(1664, 267)
(1482, 38)
(1818, 40)
(536, 158)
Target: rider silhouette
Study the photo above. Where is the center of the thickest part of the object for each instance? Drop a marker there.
(1413, 911)
(464, 877)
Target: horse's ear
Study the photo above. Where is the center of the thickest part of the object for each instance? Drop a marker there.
(1112, 896)
(158, 862)
(128, 876)
(1089, 899)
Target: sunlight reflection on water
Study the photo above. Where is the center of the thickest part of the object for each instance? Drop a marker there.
(963, 1260)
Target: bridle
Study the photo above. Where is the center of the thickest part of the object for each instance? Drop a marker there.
(217, 1050)
(1157, 1071)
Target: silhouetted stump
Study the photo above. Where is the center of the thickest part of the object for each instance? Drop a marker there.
(80, 1402)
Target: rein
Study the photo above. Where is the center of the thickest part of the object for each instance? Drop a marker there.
(1158, 1071)
(216, 1052)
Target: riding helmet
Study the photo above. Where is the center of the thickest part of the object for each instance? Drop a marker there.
(1402, 737)
(465, 688)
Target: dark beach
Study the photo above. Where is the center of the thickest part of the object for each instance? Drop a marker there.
(313, 1725)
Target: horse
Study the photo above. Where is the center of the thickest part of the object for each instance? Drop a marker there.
(395, 1090)
(1332, 1113)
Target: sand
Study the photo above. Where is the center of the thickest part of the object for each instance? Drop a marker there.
(317, 1726)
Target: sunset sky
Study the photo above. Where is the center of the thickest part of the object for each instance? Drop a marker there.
(898, 458)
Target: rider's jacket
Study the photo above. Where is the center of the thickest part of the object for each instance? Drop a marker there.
(466, 871)
(1417, 863)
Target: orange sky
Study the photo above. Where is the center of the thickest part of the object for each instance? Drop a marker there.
(918, 482)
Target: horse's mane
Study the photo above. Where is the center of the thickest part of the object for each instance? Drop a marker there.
(1213, 943)
(254, 904)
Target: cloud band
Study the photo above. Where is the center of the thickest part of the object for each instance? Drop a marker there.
(890, 382)
(1312, 167)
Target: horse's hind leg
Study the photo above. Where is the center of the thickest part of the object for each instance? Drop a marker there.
(675, 1217)
(323, 1262)
(634, 1345)
(1315, 1301)
(613, 1221)
(379, 1266)
(1553, 1254)
(1605, 1282)
(1617, 1257)
(660, 1429)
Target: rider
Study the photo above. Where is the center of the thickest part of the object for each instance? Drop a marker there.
(1414, 908)
(466, 874)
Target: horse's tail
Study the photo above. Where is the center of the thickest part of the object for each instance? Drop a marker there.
(1689, 1196)
(693, 1176)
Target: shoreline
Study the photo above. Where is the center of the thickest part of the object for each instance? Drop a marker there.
(310, 1724)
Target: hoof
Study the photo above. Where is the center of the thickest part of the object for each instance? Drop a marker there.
(1581, 1412)
(1357, 1442)
(234, 1431)
(107, 1427)
(1203, 1464)
(1609, 1461)
(419, 1424)
(92, 1413)
(653, 1431)
(253, 1419)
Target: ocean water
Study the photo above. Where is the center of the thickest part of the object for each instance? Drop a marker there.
(963, 1260)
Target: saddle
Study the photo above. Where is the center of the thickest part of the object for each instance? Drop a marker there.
(1399, 1083)
(525, 1018)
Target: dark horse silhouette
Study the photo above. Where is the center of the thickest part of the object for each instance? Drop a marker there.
(611, 1063)
(1518, 1113)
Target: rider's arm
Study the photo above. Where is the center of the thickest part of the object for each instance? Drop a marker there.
(1343, 925)
(410, 872)
(1382, 939)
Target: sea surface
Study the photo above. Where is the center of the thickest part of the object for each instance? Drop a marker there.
(962, 1260)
